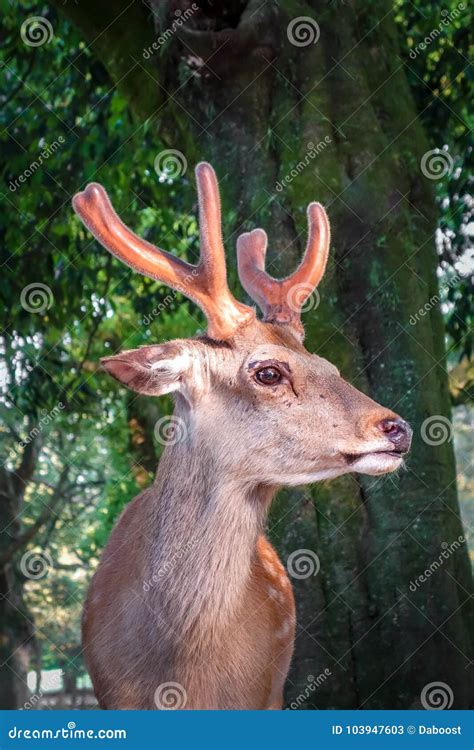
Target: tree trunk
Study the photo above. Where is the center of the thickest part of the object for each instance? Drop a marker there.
(17, 628)
(70, 686)
(18, 648)
(338, 112)
(15, 644)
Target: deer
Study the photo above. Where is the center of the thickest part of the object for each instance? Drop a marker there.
(190, 606)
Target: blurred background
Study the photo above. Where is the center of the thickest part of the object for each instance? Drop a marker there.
(360, 105)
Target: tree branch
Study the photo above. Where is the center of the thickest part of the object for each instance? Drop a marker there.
(23, 80)
(24, 472)
(98, 319)
(119, 32)
(23, 539)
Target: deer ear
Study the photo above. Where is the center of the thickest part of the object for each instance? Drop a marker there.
(152, 370)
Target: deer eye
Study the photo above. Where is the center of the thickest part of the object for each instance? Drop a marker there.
(268, 376)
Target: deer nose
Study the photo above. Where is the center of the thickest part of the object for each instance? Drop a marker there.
(398, 432)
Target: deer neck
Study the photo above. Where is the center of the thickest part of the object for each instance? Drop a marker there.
(205, 529)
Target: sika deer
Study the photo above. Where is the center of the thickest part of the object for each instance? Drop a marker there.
(190, 606)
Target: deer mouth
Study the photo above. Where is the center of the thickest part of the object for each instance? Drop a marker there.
(352, 457)
(375, 462)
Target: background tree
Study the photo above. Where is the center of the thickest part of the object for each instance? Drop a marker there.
(330, 107)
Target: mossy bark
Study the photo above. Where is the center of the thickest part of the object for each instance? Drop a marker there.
(17, 629)
(252, 107)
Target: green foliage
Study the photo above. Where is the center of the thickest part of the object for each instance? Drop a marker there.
(436, 47)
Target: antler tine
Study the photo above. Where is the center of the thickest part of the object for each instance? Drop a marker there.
(312, 267)
(251, 252)
(205, 283)
(212, 261)
(93, 206)
(211, 269)
(281, 300)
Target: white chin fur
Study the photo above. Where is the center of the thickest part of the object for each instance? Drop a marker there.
(369, 463)
(376, 463)
(316, 476)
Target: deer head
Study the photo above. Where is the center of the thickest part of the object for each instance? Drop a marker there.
(249, 391)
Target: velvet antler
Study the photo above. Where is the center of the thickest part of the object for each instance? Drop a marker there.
(281, 300)
(205, 284)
